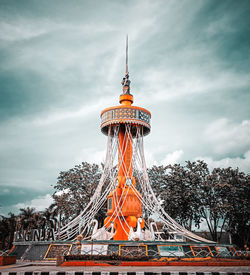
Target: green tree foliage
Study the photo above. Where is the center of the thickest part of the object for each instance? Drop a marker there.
(74, 189)
(27, 218)
(176, 188)
(7, 229)
(238, 206)
(191, 194)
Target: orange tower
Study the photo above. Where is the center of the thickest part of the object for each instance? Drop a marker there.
(124, 205)
(125, 183)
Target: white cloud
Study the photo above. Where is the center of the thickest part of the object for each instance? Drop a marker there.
(91, 155)
(227, 137)
(21, 30)
(27, 28)
(82, 112)
(242, 163)
(149, 158)
(172, 158)
(158, 80)
(39, 203)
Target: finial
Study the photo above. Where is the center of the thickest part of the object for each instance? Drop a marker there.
(127, 55)
(125, 80)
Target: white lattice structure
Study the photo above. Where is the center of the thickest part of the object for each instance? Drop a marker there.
(82, 223)
(124, 184)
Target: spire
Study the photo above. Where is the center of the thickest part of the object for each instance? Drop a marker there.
(127, 55)
(125, 80)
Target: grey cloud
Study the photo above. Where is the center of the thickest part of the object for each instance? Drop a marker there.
(61, 63)
(242, 163)
(229, 138)
(17, 194)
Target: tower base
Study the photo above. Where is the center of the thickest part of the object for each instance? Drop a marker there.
(129, 253)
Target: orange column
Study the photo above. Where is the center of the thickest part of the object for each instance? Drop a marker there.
(125, 153)
(130, 206)
(121, 134)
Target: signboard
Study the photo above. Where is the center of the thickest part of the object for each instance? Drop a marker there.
(170, 251)
(34, 235)
(95, 249)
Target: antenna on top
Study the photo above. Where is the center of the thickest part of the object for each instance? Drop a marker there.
(125, 80)
(127, 55)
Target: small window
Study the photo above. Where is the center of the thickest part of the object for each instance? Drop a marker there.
(110, 204)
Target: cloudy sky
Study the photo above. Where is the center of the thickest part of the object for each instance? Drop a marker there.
(62, 62)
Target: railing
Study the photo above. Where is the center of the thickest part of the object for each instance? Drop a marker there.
(142, 252)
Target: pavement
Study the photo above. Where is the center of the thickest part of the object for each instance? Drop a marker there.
(36, 268)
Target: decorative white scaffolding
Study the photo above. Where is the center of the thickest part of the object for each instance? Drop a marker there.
(152, 208)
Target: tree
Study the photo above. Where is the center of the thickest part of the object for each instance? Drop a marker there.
(214, 203)
(176, 188)
(190, 194)
(12, 220)
(225, 204)
(238, 213)
(4, 232)
(74, 190)
(7, 229)
(27, 219)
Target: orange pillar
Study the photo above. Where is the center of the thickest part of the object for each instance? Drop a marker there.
(125, 153)
(124, 206)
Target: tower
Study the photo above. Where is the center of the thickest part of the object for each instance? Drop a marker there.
(124, 185)
(124, 205)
